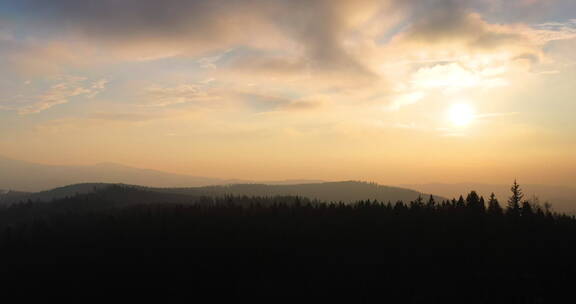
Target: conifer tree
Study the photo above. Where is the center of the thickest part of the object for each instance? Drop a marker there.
(418, 203)
(527, 209)
(472, 200)
(460, 203)
(494, 205)
(514, 200)
(431, 202)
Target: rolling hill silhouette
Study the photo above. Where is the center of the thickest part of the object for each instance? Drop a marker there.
(346, 191)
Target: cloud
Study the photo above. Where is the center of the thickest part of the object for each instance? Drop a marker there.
(31, 54)
(449, 49)
(157, 96)
(134, 30)
(406, 99)
(209, 62)
(223, 96)
(272, 65)
(350, 51)
(318, 31)
(454, 76)
(452, 23)
(552, 31)
(61, 93)
(303, 105)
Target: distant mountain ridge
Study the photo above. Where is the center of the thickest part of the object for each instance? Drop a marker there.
(17, 175)
(25, 176)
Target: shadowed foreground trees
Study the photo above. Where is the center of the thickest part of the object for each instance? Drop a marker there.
(422, 251)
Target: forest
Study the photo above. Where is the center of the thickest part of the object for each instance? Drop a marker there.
(466, 250)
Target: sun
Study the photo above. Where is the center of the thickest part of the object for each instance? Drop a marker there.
(461, 114)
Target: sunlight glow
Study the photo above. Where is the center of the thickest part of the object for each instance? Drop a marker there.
(461, 114)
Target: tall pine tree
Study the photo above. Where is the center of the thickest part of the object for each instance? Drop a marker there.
(514, 200)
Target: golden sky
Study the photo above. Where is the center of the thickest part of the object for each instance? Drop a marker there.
(392, 91)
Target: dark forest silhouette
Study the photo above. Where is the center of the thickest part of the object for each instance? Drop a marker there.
(421, 251)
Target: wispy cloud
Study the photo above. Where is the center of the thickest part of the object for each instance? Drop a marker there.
(158, 96)
(551, 31)
(62, 92)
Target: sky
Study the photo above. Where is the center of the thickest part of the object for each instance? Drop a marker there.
(390, 91)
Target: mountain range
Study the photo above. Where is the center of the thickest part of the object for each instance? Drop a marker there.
(17, 175)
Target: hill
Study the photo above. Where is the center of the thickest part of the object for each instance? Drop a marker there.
(346, 191)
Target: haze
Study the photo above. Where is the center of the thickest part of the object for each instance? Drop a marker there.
(393, 91)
